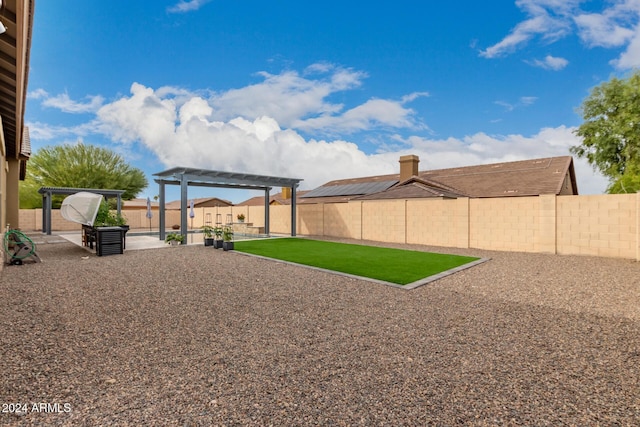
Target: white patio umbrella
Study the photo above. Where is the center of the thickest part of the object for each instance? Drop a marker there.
(149, 213)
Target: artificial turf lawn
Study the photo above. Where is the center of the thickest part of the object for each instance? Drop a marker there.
(391, 265)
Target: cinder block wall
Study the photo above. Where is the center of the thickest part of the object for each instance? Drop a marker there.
(505, 224)
(438, 222)
(598, 225)
(384, 220)
(602, 225)
(310, 219)
(338, 220)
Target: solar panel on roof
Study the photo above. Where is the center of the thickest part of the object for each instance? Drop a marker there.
(350, 189)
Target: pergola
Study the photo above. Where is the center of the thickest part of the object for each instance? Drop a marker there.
(47, 192)
(185, 177)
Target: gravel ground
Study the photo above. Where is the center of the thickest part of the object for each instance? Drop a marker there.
(194, 336)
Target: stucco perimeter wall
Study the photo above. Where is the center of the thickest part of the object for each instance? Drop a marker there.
(602, 225)
(599, 225)
(505, 224)
(438, 222)
(384, 221)
(31, 220)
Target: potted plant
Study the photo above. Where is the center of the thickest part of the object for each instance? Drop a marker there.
(227, 238)
(208, 232)
(217, 231)
(174, 239)
(240, 217)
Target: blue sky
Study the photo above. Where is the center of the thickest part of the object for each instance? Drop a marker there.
(324, 90)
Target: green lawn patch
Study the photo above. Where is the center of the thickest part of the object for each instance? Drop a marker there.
(387, 264)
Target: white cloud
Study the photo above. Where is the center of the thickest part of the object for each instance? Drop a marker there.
(541, 23)
(62, 102)
(47, 132)
(550, 63)
(37, 94)
(184, 6)
(287, 97)
(375, 112)
(187, 135)
(259, 129)
(528, 100)
(523, 101)
(616, 25)
(630, 58)
(602, 29)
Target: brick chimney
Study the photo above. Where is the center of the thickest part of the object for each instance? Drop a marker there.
(408, 166)
(286, 193)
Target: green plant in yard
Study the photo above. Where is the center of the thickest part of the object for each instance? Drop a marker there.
(107, 218)
(227, 234)
(174, 237)
(217, 231)
(208, 231)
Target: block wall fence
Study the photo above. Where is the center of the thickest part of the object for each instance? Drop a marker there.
(600, 225)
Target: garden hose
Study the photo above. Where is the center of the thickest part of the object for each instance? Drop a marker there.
(15, 236)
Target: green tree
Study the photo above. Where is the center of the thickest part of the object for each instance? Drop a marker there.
(78, 166)
(611, 132)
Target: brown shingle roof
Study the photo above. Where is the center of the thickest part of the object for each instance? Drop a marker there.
(275, 199)
(138, 204)
(551, 175)
(199, 202)
(414, 188)
(520, 178)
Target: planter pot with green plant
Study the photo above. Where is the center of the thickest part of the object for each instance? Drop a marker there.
(208, 232)
(240, 217)
(227, 238)
(217, 242)
(106, 218)
(174, 239)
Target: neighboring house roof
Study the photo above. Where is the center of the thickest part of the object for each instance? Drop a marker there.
(412, 188)
(552, 175)
(205, 202)
(276, 199)
(520, 178)
(138, 204)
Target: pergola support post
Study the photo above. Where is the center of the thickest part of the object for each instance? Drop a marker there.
(46, 212)
(183, 207)
(266, 211)
(293, 210)
(161, 211)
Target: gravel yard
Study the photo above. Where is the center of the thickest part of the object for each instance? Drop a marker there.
(195, 336)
